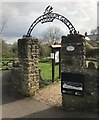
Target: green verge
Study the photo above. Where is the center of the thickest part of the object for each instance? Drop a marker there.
(46, 71)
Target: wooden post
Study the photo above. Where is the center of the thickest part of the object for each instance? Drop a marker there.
(53, 65)
(59, 63)
(54, 49)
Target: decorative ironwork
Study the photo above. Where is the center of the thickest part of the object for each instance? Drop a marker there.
(49, 16)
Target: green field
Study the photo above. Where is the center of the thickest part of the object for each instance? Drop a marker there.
(44, 66)
(46, 70)
(7, 59)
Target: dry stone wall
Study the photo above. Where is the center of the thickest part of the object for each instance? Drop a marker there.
(28, 61)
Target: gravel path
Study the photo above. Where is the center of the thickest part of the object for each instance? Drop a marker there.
(50, 94)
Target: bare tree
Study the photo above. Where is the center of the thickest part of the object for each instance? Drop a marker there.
(3, 26)
(52, 34)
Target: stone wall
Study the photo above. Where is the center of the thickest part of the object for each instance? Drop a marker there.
(28, 61)
(74, 62)
(87, 102)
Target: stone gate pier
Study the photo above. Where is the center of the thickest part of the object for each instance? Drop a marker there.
(28, 53)
(78, 84)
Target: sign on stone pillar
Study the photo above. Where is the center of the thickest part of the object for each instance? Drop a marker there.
(28, 59)
(72, 64)
(78, 84)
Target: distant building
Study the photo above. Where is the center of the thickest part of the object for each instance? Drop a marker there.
(96, 36)
(94, 43)
(93, 40)
(93, 37)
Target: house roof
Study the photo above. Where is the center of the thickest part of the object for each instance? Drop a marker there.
(94, 43)
(93, 37)
(56, 46)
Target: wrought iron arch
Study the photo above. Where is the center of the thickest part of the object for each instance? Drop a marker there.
(49, 16)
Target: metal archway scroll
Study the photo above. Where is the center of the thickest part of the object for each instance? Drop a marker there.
(49, 16)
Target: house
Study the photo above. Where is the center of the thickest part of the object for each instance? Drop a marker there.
(93, 41)
(93, 37)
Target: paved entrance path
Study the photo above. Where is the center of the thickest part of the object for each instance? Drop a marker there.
(26, 107)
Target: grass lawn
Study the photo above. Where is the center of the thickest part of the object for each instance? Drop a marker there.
(44, 66)
(46, 70)
(8, 59)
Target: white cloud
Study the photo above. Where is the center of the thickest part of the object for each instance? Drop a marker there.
(20, 15)
(98, 15)
(49, 1)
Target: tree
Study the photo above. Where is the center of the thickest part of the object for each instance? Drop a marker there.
(93, 31)
(44, 50)
(15, 49)
(3, 45)
(9, 50)
(3, 26)
(5, 49)
(52, 34)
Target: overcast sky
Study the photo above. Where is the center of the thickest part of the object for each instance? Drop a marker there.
(20, 15)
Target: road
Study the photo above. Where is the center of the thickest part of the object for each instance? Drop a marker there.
(26, 107)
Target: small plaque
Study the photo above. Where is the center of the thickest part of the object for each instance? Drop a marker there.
(52, 55)
(57, 57)
(70, 48)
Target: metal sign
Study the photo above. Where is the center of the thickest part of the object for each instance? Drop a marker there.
(49, 16)
(57, 57)
(52, 55)
(72, 83)
(70, 48)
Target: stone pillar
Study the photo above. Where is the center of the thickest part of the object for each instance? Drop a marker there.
(72, 54)
(73, 73)
(83, 95)
(28, 60)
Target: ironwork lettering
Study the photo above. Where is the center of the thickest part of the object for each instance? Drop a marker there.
(49, 16)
